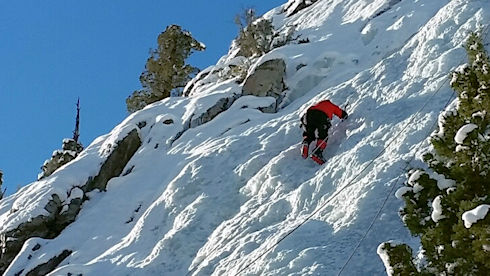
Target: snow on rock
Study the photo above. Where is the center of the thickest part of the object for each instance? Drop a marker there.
(462, 133)
(76, 192)
(229, 181)
(119, 133)
(294, 6)
(472, 216)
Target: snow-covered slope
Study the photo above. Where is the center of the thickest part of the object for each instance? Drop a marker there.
(218, 197)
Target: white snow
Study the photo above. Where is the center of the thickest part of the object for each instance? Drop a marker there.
(461, 148)
(472, 216)
(437, 209)
(450, 267)
(412, 180)
(401, 191)
(383, 254)
(479, 114)
(450, 110)
(75, 193)
(463, 132)
(207, 199)
(442, 182)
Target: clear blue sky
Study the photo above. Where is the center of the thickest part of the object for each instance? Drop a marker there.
(52, 52)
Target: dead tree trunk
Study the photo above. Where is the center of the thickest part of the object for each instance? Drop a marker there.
(76, 132)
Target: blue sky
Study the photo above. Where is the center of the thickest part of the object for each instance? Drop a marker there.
(52, 52)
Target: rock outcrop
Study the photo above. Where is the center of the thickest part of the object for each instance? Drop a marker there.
(70, 150)
(294, 6)
(62, 213)
(267, 80)
(50, 265)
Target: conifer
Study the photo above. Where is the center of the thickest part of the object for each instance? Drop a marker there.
(457, 180)
(166, 72)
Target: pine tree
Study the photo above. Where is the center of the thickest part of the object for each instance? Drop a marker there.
(457, 181)
(166, 72)
(255, 35)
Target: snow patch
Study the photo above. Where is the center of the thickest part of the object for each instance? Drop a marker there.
(383, 254)
(463, 132)
(437, 209)
(401, 191)
(117, 135)
(203, 197)
(479, 114)
(442, 182)
(472, 216)
(414, 177)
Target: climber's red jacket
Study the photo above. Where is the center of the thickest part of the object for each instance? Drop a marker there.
(328, 108)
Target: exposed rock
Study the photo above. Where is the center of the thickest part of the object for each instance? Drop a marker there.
(267, 80)
(220, 106)
(70, 150)
(269, 109)
(116, 162)
(11, 242)
(190, 86)
(49, 266)
(294, 6)
(61, 214)
(235, 68)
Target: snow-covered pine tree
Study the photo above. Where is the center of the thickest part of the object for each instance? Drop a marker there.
(257, 36)
(447, 205)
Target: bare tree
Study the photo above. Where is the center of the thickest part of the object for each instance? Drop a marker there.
(76, 132)
(1, 182)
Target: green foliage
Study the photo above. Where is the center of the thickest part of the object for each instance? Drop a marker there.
(449, 247)
(400, 258)
(257, 35)
(166, 72)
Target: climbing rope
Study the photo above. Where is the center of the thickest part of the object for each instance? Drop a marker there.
(485, 32)
(350, 182)
(334, 195)
(391, 191)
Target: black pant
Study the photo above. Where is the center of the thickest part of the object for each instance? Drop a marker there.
(315, 125)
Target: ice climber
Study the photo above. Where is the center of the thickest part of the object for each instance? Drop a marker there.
(315, 124)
